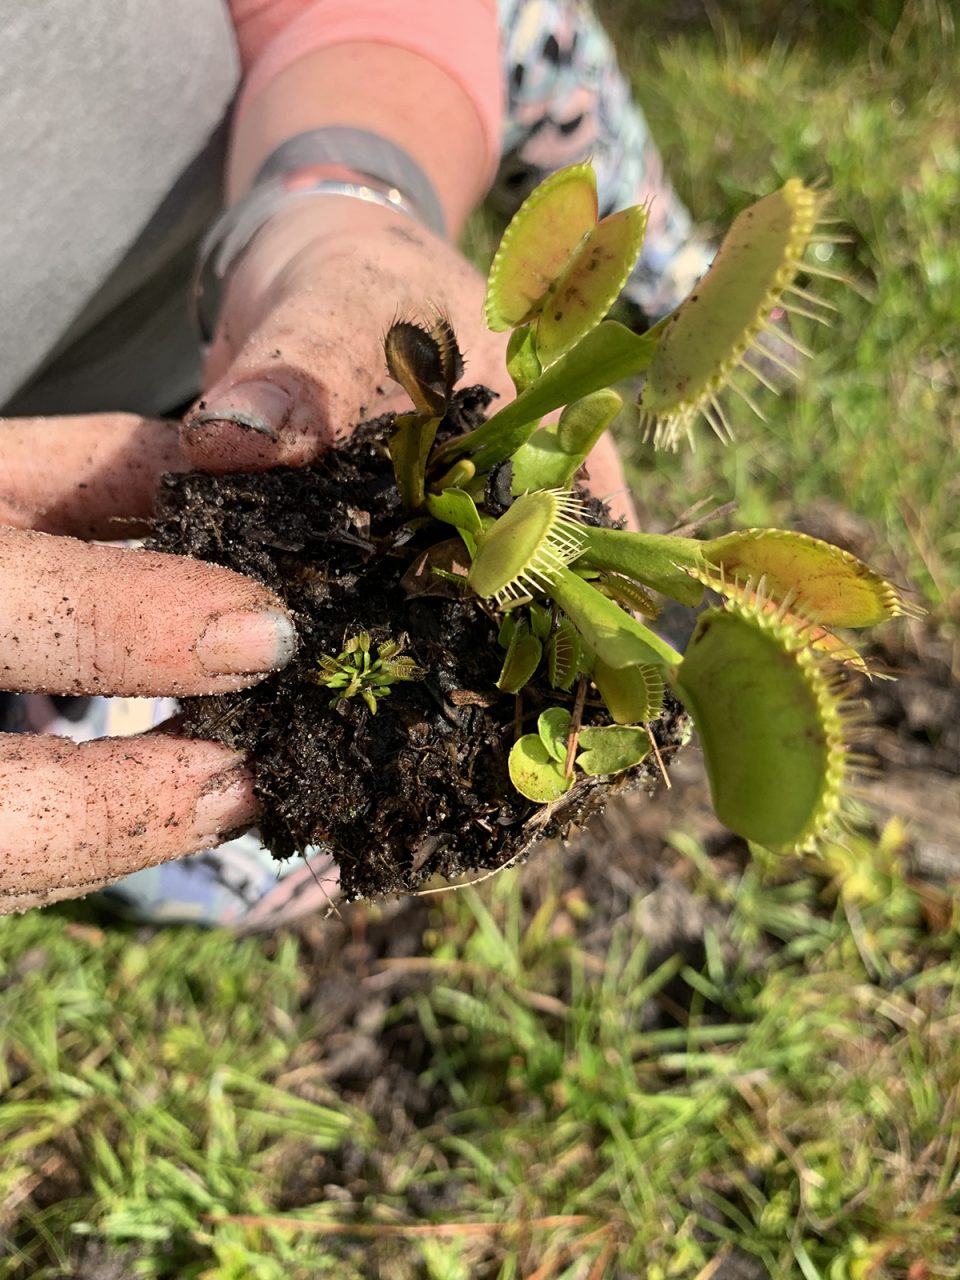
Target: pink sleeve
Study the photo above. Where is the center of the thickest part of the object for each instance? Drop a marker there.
(460, 37)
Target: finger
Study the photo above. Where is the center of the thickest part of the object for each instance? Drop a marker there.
(294, 374)
(92, 476)
(75, 817)
(76, 618)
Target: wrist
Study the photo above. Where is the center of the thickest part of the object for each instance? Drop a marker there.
(337, 239)
(314, 198)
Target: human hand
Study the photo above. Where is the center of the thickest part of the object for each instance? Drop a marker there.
(297, 360)
(81, 618)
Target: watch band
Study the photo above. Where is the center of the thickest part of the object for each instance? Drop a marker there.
(364, 153)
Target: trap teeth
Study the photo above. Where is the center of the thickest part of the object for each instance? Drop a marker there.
(520, 553)
(725, 324)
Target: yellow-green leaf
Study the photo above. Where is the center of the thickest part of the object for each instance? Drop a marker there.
(611, 748)
(538, 244)
(534, 772)
(632, 695)
(770, 726)
(820, 581)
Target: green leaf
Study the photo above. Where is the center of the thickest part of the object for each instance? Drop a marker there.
(628, 593)
(538, 244)
(540, 621)
(564, 653)
(541, 463)
(704, 340)
(821, 582)
(655, 559)
(410, 446)
(535, 773)
(518, 552)
(523, 363)
(454, 506)
(590, 283)
(608, 353)
(523, 658)
(607, 631)
(553, 726)
(584, 421)
(769, 724)
(632, 695)
(552, 456)
(611, 749)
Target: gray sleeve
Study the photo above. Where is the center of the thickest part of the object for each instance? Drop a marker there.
(111, 140)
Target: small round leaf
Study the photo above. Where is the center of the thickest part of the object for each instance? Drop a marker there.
(611, 748)
(534, 773)
(553, 726)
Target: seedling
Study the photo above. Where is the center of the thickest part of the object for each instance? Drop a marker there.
(355, 670)
(537, 760)
(764, 678)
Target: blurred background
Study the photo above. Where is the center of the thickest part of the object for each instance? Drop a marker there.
(651, 1053)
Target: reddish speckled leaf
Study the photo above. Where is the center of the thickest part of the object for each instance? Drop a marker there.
(820, 581)
(590, 283)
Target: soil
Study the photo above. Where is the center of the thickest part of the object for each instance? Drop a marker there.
(421, 787)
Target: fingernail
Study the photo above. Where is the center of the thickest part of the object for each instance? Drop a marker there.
(246, 642)
(226, 805)
(254, 406)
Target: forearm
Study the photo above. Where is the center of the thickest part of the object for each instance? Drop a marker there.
(423, 77)
(313, 261)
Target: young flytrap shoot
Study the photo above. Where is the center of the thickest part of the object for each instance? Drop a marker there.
(480, 586)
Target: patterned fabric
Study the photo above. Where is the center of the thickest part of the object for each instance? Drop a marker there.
(567, 102)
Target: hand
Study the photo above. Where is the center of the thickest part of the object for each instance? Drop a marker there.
(298, 359)
(80, 618)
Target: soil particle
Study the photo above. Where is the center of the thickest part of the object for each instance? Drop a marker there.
(421, 787)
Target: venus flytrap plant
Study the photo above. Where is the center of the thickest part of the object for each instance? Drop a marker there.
(538, 760)
(763, 676)
(356, 671)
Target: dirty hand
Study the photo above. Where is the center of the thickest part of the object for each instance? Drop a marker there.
(299, 352)
(297, 360)
(81, 618)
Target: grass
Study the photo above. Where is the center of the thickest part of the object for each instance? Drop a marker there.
(791, 1098)
(554, 1097)
(737, 115)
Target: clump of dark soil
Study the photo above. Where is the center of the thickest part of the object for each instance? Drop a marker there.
(421, 788)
